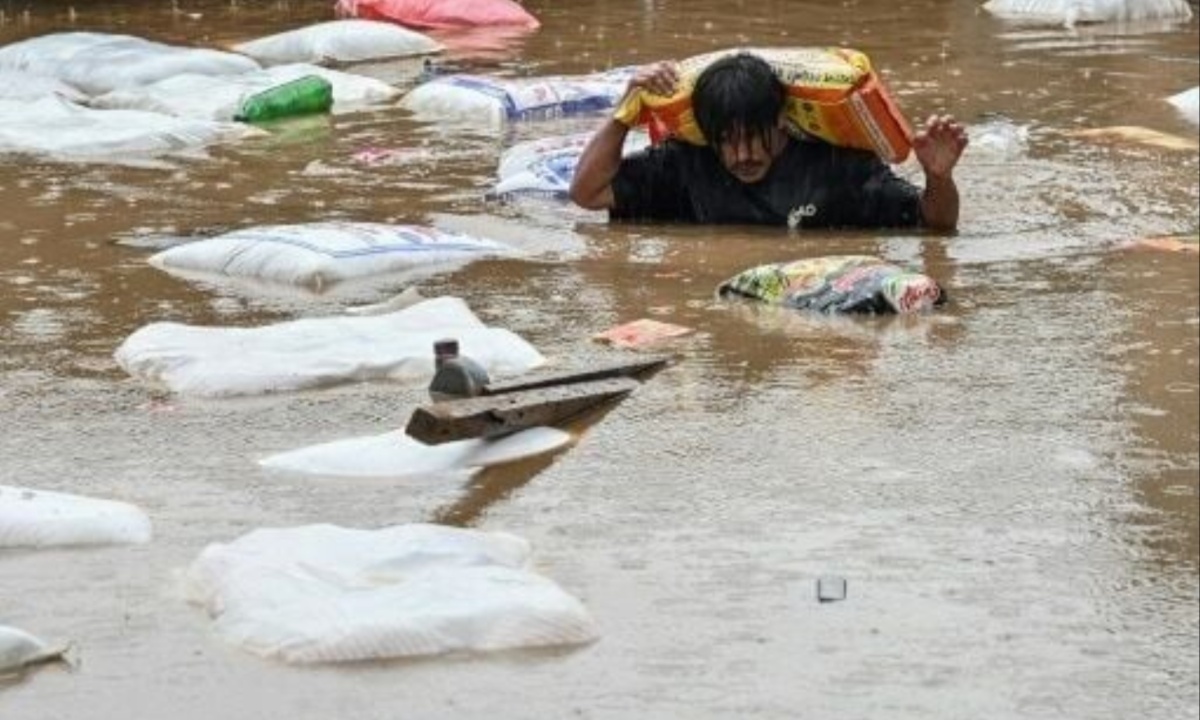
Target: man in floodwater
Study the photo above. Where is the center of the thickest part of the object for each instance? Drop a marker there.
(755, 171)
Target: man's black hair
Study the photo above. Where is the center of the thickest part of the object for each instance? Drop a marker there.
(737, 93)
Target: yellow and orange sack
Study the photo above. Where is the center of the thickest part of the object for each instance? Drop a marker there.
(832, 93)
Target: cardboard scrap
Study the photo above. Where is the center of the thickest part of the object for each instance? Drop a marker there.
(640, 333)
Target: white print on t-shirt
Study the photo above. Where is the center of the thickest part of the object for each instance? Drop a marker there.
(800, 212)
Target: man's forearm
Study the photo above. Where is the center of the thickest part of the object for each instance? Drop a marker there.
(591, 187)
(939, 203)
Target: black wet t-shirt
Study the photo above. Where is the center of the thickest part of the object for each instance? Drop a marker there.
(811, 184)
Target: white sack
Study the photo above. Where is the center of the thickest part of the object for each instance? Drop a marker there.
(19, 85)
(1070, 12)
(545, 167)
(317, 255)
(490, 101)
(322, 593)
(19, 649)
(52, 126)
(221, 98)
(315, 352)
(1188, 104)
(395, 454)
(37, 518)
(339, 41)
(97, 62)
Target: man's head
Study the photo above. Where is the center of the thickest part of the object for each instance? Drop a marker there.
(738, 102)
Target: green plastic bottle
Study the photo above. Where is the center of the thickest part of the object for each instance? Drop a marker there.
(306, 95)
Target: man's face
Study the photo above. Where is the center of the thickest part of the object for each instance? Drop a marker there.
(748, 156)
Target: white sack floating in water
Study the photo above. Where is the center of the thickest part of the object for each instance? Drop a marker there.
(1188, 104)
(37, 518)
(59, 129)
(339, 41)
(322, 593)
(487, 101)
(395, 454)
(20, 650)
(316, 352)
(545, 167)
(221, 98)
(317, 255)
(18, 85)
(97, 63)
(1071, 12)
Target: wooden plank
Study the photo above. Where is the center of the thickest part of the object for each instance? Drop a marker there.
(494, 415)
(623, 369)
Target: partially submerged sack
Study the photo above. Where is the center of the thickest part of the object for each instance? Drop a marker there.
(318, 352)
(832, 94)
(339, 41)
(97, 63)
(19, 85)
(38, 518)
(837, 284)
(545, 167)
(495, 101)
(440, 14)
(1070, 12)
(60, 129)
(317, 255)
(224, 98)
(322, 593)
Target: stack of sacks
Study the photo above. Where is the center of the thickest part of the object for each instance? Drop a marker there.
(1070, 12)
(225, 361)
(37, 518)
(340, 41)
(441, 14)
(495, 101)
(322, 593)
(318, 255)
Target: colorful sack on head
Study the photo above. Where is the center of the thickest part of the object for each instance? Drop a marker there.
(837, 284)
(832, 94)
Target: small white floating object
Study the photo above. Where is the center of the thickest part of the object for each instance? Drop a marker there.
(322, 593)
(317, 255)
(395, 454)
(97, 63)
(20, 650)
(316, 352)
(1188, 103)
(999, 138)
(339, 41)
(222, 98)
(38, 518)
(1071, 12)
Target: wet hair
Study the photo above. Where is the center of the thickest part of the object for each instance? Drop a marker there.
(737, 94)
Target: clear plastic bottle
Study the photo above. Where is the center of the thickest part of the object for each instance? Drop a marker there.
(455, 376)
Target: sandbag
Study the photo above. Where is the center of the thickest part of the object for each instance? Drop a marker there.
(339, 41)
(837, 284)
(317, 255)
(60, 129)
(39, 518)
(97, 63)
(832, 94)
(495, 101)
(1070, 12)
(395, 454)
(20, 85)
(545, 167)
(440, 13)
(19, 650)
(318, 352)
(1188, 104)
(322, 593)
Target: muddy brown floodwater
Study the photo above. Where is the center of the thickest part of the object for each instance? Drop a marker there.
(1009, 486)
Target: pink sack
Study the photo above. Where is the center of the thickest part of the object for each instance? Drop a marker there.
(432, 14)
